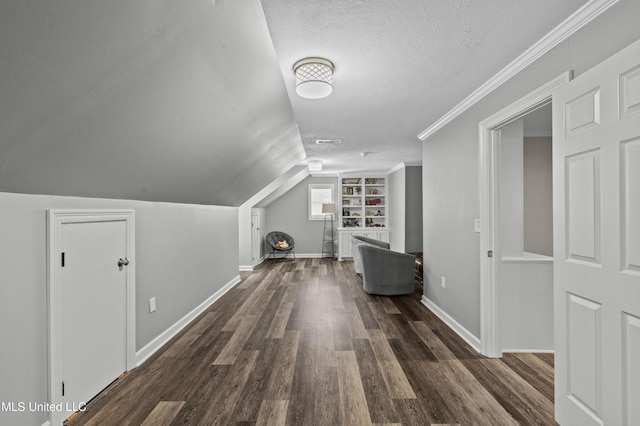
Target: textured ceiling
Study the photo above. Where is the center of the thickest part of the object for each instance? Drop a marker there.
(400, 65)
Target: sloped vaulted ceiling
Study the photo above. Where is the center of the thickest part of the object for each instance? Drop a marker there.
(179, 101)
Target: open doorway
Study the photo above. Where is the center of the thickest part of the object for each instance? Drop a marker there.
(503, 256)
(524, 254)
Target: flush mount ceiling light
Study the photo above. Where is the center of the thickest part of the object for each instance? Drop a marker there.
(314, 165)
(314, 78)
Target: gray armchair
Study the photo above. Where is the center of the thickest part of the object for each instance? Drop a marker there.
(356, 240)
(385, 272)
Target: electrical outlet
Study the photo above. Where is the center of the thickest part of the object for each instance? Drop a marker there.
(152, 304)
(443, 281)
(476, 225)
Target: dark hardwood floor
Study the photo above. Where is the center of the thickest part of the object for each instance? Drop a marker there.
(300, 343)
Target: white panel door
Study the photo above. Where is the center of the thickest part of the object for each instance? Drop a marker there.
(256, 239)
(597, 244)
(93, 308)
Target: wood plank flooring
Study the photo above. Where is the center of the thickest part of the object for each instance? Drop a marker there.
(300, 343)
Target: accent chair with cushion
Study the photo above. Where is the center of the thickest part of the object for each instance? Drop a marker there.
(386, 272)
(356, 240)
(280, 243)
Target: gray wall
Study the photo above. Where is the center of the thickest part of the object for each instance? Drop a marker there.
(511, 189)
(526, 305)
(413, 209)
(396, 209)
(538, 196)
(450, 163)
(404, 191)
(184, 254)
(289, 214)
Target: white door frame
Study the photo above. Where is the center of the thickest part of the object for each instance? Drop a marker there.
(489, 203)
(55, 220)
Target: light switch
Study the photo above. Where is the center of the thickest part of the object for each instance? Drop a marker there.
(476, 225)
(152, 304)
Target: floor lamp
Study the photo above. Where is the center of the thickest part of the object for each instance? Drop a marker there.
(328, 238)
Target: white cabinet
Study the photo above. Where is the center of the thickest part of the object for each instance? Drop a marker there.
(344, 247)
(384, 236)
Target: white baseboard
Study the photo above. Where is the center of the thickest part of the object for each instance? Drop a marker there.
(150, 348)
(529, 351)
(304, 256)
(249, 268)
(308, 255)
(465, 334)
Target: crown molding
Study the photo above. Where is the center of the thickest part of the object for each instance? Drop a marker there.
(573, 23)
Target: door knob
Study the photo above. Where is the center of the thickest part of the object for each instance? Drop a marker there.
(123, 262)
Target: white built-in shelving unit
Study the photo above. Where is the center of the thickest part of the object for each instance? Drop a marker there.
(363, 210)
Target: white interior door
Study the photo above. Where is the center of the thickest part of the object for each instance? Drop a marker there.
(91, 306)
(256, 238)
(597, 244)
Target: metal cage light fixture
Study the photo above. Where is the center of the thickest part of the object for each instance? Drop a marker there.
(314, 77)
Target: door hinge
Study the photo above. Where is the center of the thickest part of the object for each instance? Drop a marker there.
(63, 388)
(62, 259)
(490, 253)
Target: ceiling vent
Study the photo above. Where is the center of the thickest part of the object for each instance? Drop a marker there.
(328, 141)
